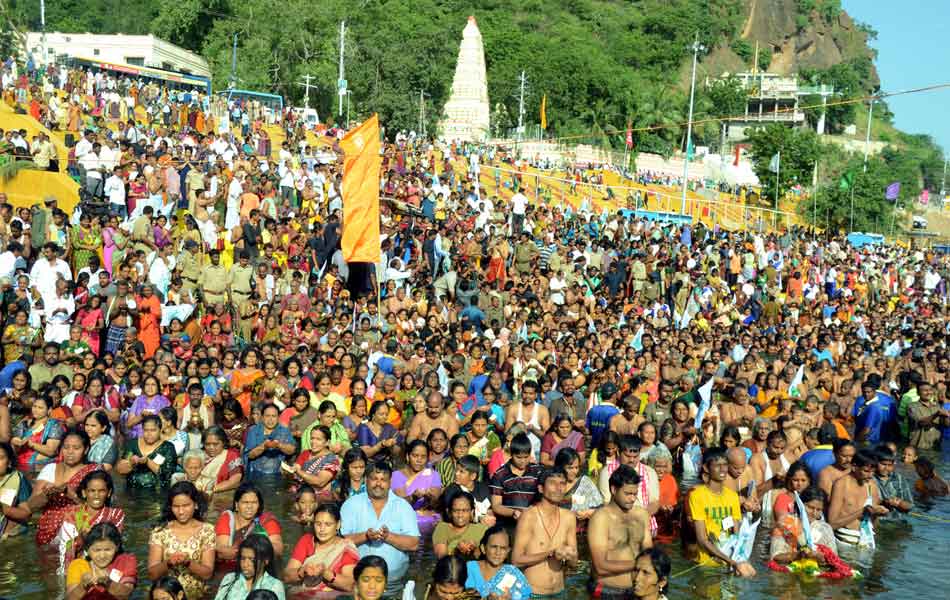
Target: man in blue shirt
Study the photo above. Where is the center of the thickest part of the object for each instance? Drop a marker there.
(598, 417)
(875, 414)
(821, 455)
(381, 523)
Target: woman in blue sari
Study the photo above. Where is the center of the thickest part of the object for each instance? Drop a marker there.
(103, 450)
(377, 437)
(492, 574)
(268, 443)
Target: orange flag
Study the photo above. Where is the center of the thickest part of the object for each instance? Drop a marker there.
(360, 240)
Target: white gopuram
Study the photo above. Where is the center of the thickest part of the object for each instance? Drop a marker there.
(465, 116)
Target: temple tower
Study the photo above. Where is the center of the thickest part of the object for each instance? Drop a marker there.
(465, 116)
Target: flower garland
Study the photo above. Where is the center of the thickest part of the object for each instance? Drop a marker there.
(809, 567)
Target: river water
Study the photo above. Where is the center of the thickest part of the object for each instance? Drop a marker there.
(910, 560)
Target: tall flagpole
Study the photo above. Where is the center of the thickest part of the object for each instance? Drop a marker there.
(696, 48)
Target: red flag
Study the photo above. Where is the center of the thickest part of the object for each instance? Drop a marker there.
(735, 163)
(629, 137)
(925, 197)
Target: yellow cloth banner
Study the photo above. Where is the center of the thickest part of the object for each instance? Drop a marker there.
(544, 116)
(360, 239)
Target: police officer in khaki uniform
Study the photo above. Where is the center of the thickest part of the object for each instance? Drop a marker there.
(189, 266)
(213, 281)
(240, 280)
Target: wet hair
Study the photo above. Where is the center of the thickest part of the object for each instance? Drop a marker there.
(730, 432)
(470, 463)
(182, 488)
(494, 530)
(841, 443)
(447, 509)
(83, 437)
(549, 473)
(813, 492)
(263, 556)
(248, 487)
(329, 508)
(450, 569)
(370, 561)
(168, 584)
(302, 490)
(381, 466)
(776, 435)
(349, 457)
(520, 444)
(795, 467)
(661, 564)
(884, 453)
(630, 443)
(624, 475)
(564, 457)
(713, 455)
(864, 458)
(261, 595)
(324, 430)
(152, 419)
(480, 415)
(458, 437)
(170, 414)
(326, 406)
(102, 419)
(376, 406)
(415, 444)
(90, 477)
(215, 431)
(104, 531)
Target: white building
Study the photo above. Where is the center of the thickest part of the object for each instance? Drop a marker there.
(466, 114)
(121, 49)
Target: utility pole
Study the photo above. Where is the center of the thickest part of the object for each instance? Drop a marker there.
(305, 84)
(422, 113)
(341, 83)
(867, 139)
(521, 111)
(234, 62)
(43, 32)
(943, 182)
(696, 48)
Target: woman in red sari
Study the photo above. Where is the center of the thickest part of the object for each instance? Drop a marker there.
(55, 489)
(89, 318)
(150, 313)
(223, 467)
(95, 506)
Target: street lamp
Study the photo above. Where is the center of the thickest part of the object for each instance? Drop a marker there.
(696, 48)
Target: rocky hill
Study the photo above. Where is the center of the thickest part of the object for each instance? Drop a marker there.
(793, 35)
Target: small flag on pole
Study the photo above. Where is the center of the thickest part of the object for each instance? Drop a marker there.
(793, 390)
(629, 135)
(847, 181)
(893, 191)
(925, 197)
(544, 116)
(775, 163)
(705, 401)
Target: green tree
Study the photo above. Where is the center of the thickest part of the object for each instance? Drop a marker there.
(852, 186)
(799, 149)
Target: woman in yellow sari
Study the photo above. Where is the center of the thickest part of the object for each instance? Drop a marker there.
(769, 396)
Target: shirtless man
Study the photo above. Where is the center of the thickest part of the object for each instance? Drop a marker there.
(739, 476)
(769, 467)
(546, 537)
(533, 415)
(740, 412)
(844, 451)
(617, 533)
(849, 499)
(434, 417)
(628, 420)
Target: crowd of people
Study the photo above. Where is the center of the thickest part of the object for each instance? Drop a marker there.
(515, 386)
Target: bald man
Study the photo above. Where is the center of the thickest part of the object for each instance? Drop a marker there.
(738, 477)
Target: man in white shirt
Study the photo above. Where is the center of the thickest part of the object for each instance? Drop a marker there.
(115, 190)
(93, 176)
(519, 205)
(8, 260)
(47, 269)
(84, 145)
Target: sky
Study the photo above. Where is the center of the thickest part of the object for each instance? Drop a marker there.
(913, 51)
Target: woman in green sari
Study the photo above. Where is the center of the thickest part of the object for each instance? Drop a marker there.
(86, 241)
(149, 461)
